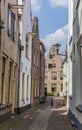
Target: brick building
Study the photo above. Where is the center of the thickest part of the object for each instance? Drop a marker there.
(42, 69)
(35, 63)
(53, 71)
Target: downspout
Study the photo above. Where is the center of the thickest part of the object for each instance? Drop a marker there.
(31, 58)
(31, 74)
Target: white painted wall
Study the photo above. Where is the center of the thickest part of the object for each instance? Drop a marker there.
(70, 102)
(25, 65)
(78, 60)
(76, 68)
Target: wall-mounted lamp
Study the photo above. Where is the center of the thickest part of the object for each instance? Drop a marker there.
(58, 47)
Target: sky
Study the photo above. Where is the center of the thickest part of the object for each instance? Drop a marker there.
(52, 20)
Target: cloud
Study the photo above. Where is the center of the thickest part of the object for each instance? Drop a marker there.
(59, 36)
(36, 5)
(58, 3)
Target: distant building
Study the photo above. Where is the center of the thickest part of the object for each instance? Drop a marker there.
(53, 71)
(42, 69)
(25, 26)
(35, 63)
(8, 59)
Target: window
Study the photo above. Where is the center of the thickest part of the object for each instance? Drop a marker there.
(45, 85)
(61, 75)
(26, 50)
(27, 87)
(54, 65)
(45, 75)
(37, 81)
(54, 87)
(53, 55)
(9, 19)
(37, 58)
(27, 38)
(34, 56)
(45, 65)
(54, 75)
(35, 88)
(4, 2)
(49, 66)
(14, 35)
(23, 86)
(9, 80)
(61, 87)
(15, 68)
(61, 65)
(50, 56)
(11, 24)
(3, 78)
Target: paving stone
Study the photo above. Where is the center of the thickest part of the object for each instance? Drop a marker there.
(42, 117)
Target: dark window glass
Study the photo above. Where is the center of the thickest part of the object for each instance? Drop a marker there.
(9, 19)
(61, 75)
(49, 66)
(54, 87)
(50, 56)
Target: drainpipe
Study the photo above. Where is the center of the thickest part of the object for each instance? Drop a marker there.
(31, 73)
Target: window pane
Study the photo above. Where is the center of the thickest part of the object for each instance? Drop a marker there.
(61, 75)
(14, 28)
(54, 75)
(54, 87)
(9, 20)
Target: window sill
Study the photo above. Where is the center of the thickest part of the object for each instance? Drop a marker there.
(79, 108)
(2, 106)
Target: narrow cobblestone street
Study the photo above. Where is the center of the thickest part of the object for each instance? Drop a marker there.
(41, 117)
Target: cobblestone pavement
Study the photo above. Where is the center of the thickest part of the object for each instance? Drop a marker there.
(41, 117)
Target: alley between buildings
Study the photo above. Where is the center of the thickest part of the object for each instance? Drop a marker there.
(41, 117)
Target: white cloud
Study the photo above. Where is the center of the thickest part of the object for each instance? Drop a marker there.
(60, 3)
(59, 36)
(36, 5)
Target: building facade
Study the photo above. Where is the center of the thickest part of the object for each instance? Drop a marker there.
(53, 71)
(75, 63)
(35, 63)
(42, 69)
(8, 60)
(25, 27)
